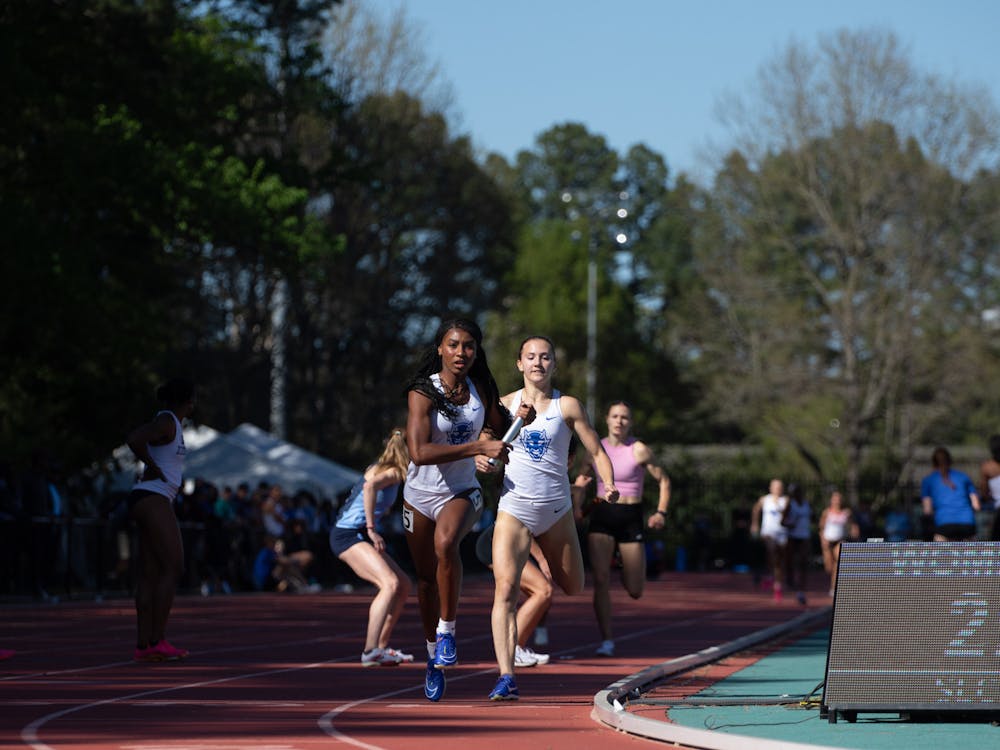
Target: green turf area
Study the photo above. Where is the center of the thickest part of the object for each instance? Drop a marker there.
(795, 671)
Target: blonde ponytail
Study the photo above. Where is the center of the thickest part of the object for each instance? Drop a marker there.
(395, 455)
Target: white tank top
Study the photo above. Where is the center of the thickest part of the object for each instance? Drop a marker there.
(454, 476)
(835, 527)
(994, 484)
(537, 468)
(170, 459)
(770, 521)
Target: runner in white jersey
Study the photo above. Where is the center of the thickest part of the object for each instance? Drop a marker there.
(989, 485)
(160, 446)
(535, 483)
(836, 523)
(452, 397)
(766, 522)
(535, 501)
(430, 487)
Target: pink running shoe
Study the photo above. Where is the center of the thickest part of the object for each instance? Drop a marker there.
(168, 652)
(147, 654)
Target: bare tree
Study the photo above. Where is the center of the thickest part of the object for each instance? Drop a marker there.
(842, 260)
(372, 55)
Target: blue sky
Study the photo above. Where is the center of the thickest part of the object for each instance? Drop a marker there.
(651, 71)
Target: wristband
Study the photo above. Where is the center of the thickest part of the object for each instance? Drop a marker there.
(661, 512)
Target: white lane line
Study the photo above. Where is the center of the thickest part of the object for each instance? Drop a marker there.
(29, 735)
(40, 677)
(326, 721)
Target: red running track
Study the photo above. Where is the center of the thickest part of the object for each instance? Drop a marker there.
(281, 671)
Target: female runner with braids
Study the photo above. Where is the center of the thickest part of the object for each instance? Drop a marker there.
(451, 399)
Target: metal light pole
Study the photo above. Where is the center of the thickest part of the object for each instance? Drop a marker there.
(591, 327)
(621, 239)
(279, 311)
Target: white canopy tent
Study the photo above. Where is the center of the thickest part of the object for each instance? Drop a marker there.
(248, 454)
(329, 473)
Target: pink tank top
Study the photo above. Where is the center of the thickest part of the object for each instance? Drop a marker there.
(629, 475)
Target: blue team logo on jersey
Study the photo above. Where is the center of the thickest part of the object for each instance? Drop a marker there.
(536, 443)
(460, 432)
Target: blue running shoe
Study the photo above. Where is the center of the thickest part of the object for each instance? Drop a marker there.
(445, 651)
(506, 689)
(433, 682)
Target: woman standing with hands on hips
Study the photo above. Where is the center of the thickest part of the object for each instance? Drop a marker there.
(535, 502)
(159, 444)
(355, 540)
(452, 399)
(621, 524)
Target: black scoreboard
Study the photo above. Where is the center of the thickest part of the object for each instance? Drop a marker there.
(916, 630)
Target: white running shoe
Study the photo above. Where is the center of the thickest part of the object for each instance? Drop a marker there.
(403, 657)
(379, 658)
(607, 648)
(524, 658)
(539, 658)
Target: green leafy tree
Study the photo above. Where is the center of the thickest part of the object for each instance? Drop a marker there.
(426, 233)
(576, 199)
(121, 182)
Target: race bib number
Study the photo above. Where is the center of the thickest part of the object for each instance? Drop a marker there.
(408, 520)
(476, 498)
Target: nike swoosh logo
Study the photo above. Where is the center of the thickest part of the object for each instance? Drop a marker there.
(475, 408)
(548, 418)
(435, 693)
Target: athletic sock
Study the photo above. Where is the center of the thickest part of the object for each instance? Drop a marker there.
(446, 626)
(431, 648)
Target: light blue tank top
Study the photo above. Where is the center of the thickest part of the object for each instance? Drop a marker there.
(352, 514)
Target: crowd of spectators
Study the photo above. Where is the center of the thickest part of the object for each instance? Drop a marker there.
(61, 536)
(64, 536)
(257, 538)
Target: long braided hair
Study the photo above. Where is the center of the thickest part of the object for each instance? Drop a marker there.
(479, 373)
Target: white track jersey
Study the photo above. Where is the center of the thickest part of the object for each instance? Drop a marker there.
(438, 480)
(835, 526)
(994, 485)
(170, 459)
(770, 522)
(537, 468)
